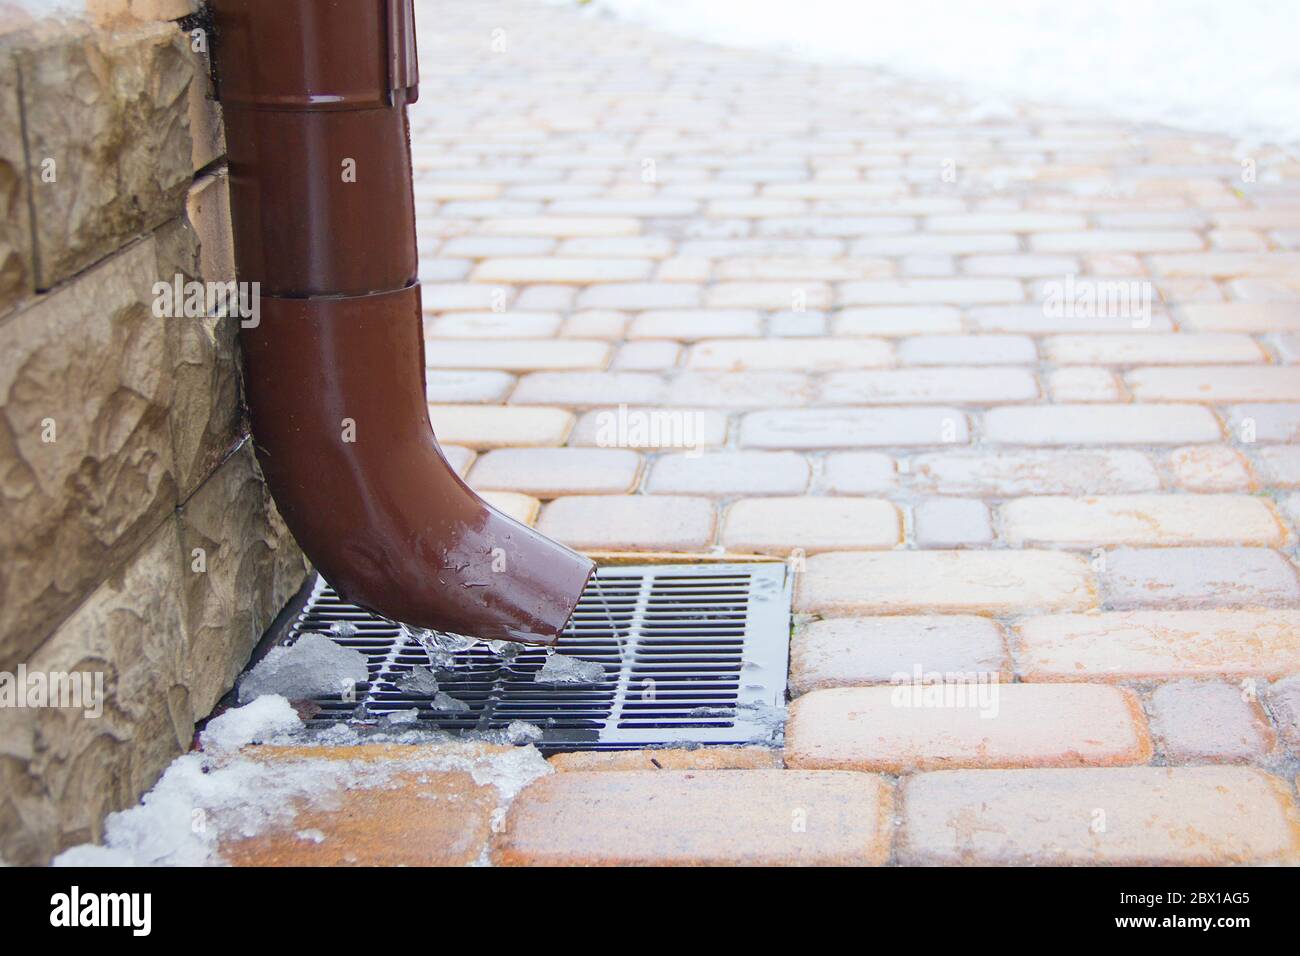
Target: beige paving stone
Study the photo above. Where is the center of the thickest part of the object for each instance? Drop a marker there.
(1007, 222)
(553, 472)
(494, 426)
(579, 389)
(944, 582)
(594, 324)
(1210, 468)
(740, 355)
(651, 429)
(691, 325)
(647, 356)
(1198, 577)
(1267, 423)
(976, 386)
(518, 355)
(1228, 264)
(487, 325)
(1284, 704)
(791, 294)
(966, 720)
(1138, 816)
(898, 320)
(857, 651)
(1021, 265)
(560, 226)
(1210, 384)
(925, 244)
(726, 473)
(1080, 383)
(1037, 319)
(1209, 721)
(1280, 466)
(967, 350)
(1171, 424)
(781, 525)
(951, 523)
(827, 269)
(853, 428)
(562, 269)
(1151, 349)
(634, 247)
(459, 458)
(523, 508)
(464, 296)
(757, 389)
(998, 473)
(1239, 317)
(631, 523)
(639, 296)
(701, 758)
(1148, 645)
(930, 292)
(704, 818)
(1118, 240)
(858, 472)
(1141, 519)
(447, 387)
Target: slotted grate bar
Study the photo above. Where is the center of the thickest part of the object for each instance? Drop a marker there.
(691, 654)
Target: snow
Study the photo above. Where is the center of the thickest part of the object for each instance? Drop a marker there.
(313, 666)
(1196, 64)
(225, 791)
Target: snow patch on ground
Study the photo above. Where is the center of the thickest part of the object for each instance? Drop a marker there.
(1197, 64)
(223, 791)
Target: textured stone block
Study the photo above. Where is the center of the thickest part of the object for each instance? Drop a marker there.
(86, 452)
(17, 271)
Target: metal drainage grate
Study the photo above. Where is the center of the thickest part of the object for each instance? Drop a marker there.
(691, 654)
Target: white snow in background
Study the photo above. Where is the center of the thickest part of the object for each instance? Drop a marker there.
(223, 791)
(1213, 65)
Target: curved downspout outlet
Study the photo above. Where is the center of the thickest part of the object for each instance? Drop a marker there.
(314, 95)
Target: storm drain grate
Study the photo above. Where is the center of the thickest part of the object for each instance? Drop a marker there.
(690, 654)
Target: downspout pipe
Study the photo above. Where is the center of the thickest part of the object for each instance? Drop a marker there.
(314, 95)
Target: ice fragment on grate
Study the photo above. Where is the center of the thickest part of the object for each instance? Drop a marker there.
(313, 666)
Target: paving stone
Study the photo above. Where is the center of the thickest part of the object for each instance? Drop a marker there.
(649, 247)
(1210, 468)
(797, 325)
(640, 296)
(1151, 349)
(1198, 577)
(1228, 264)
(634, 523)
(1141, 519)
(1007, 222)
(459, 458)
(978, 386)
(853, 428)
(1101, 425)
(1280, 466)
(965, 720)
(1137, 816)
(1119, 240)
(781, 525)
(856, 651)
(858, 472)
(1239, 317)
(464, 296)
(1284, 704)
(487, 325)
(577, 389)
(813, 355)
(560, 226)
(1209, 384)
(897, 320)
(1209, 721)
(704, 818)
(690, 325)
(1147, 645)
(726, 473)
(944, 582)
(836, 269)
(417, 817)
(1011, 473)
(594, 324)
(647, 356)
(562, 269)
(448, 387)
(951, 523)
(930, 292)
(793, 294)
(518, 356)
(1271, 423)
(701, 758)
(1021, 265)
(491, 426)
(651, 429)
(553, 472)
(967, 350)
(523, 508)
(1082, 384)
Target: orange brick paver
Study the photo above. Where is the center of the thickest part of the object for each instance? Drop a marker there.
(1016, 397)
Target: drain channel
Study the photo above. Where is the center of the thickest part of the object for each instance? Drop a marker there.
(691, 654)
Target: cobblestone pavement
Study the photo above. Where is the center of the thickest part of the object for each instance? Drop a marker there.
(1016, 393)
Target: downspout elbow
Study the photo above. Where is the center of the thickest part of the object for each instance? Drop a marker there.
(314, 95)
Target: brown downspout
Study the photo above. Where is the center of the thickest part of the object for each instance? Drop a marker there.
(314, 94)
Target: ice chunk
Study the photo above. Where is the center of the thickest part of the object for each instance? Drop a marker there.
(420, 680)
(267, 717)
(562, 669)
(522, 732)
(446, 702)
(313, 666)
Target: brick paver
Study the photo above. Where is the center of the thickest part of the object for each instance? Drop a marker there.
(1033, 379)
